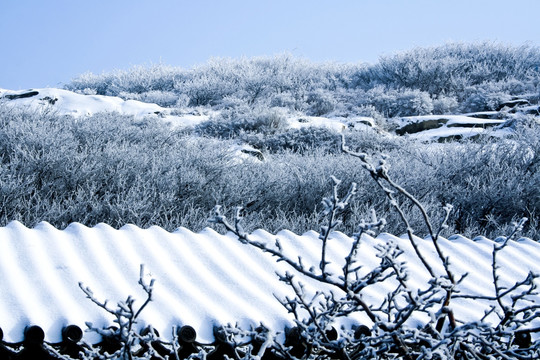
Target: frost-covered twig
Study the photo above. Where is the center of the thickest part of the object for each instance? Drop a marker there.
(332, 207)
(125, 316)
(509, 311)
(364, 227)
(244, 238)
(379, 174)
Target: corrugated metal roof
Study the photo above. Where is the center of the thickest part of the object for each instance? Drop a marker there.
(202, 278)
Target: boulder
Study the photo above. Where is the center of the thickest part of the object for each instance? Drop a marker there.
(50, 100)
(513, 103)
(22, 95)
(421, 125)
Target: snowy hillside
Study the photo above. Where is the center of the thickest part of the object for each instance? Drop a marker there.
(64, 102)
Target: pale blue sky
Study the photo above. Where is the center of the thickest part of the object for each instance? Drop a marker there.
(46, 43)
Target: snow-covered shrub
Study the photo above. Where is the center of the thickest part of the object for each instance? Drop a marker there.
(231, 123)
(315, 139)
(439, 73)
(103, 168)
(287, 100)
(273, 119)
(320, 102)
(450, 68)
(161, 98)
(137, 80)
(182, 101)
(296, 140)
(91, 84)
(413, 103)
(477, 98)
(201, 91)
(485, 182)
(519, 87)
(444, 105)
(115, 169)
(393, 103)
(425, 69)
(233, 103)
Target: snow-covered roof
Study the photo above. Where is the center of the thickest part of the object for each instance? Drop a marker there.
(202, 279)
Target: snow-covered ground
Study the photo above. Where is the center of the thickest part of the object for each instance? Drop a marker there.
(205, 279)
(335, 123)
(65, 102)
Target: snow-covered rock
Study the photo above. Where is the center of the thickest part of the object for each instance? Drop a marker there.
(244, 152)
(438, 127)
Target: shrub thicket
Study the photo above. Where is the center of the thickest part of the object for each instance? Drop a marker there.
(115, 169)
(469, 77)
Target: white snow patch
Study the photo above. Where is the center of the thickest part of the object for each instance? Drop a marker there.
(298, 122)
(65, 102)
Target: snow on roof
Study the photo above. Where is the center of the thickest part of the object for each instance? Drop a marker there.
(202, 279)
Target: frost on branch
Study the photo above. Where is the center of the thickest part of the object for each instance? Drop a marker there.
(122, 337)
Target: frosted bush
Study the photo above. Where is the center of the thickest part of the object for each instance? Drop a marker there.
(479, 99)
(394, 103)
(271, 120)
(452, 67)
(466, 72)
(111, 152)
(320, 102)
(232, 102)
(444, 104)
(182, 101)
(285, 100)
(297, 140)
(162, 98)
(86, 82)
(232, 122)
